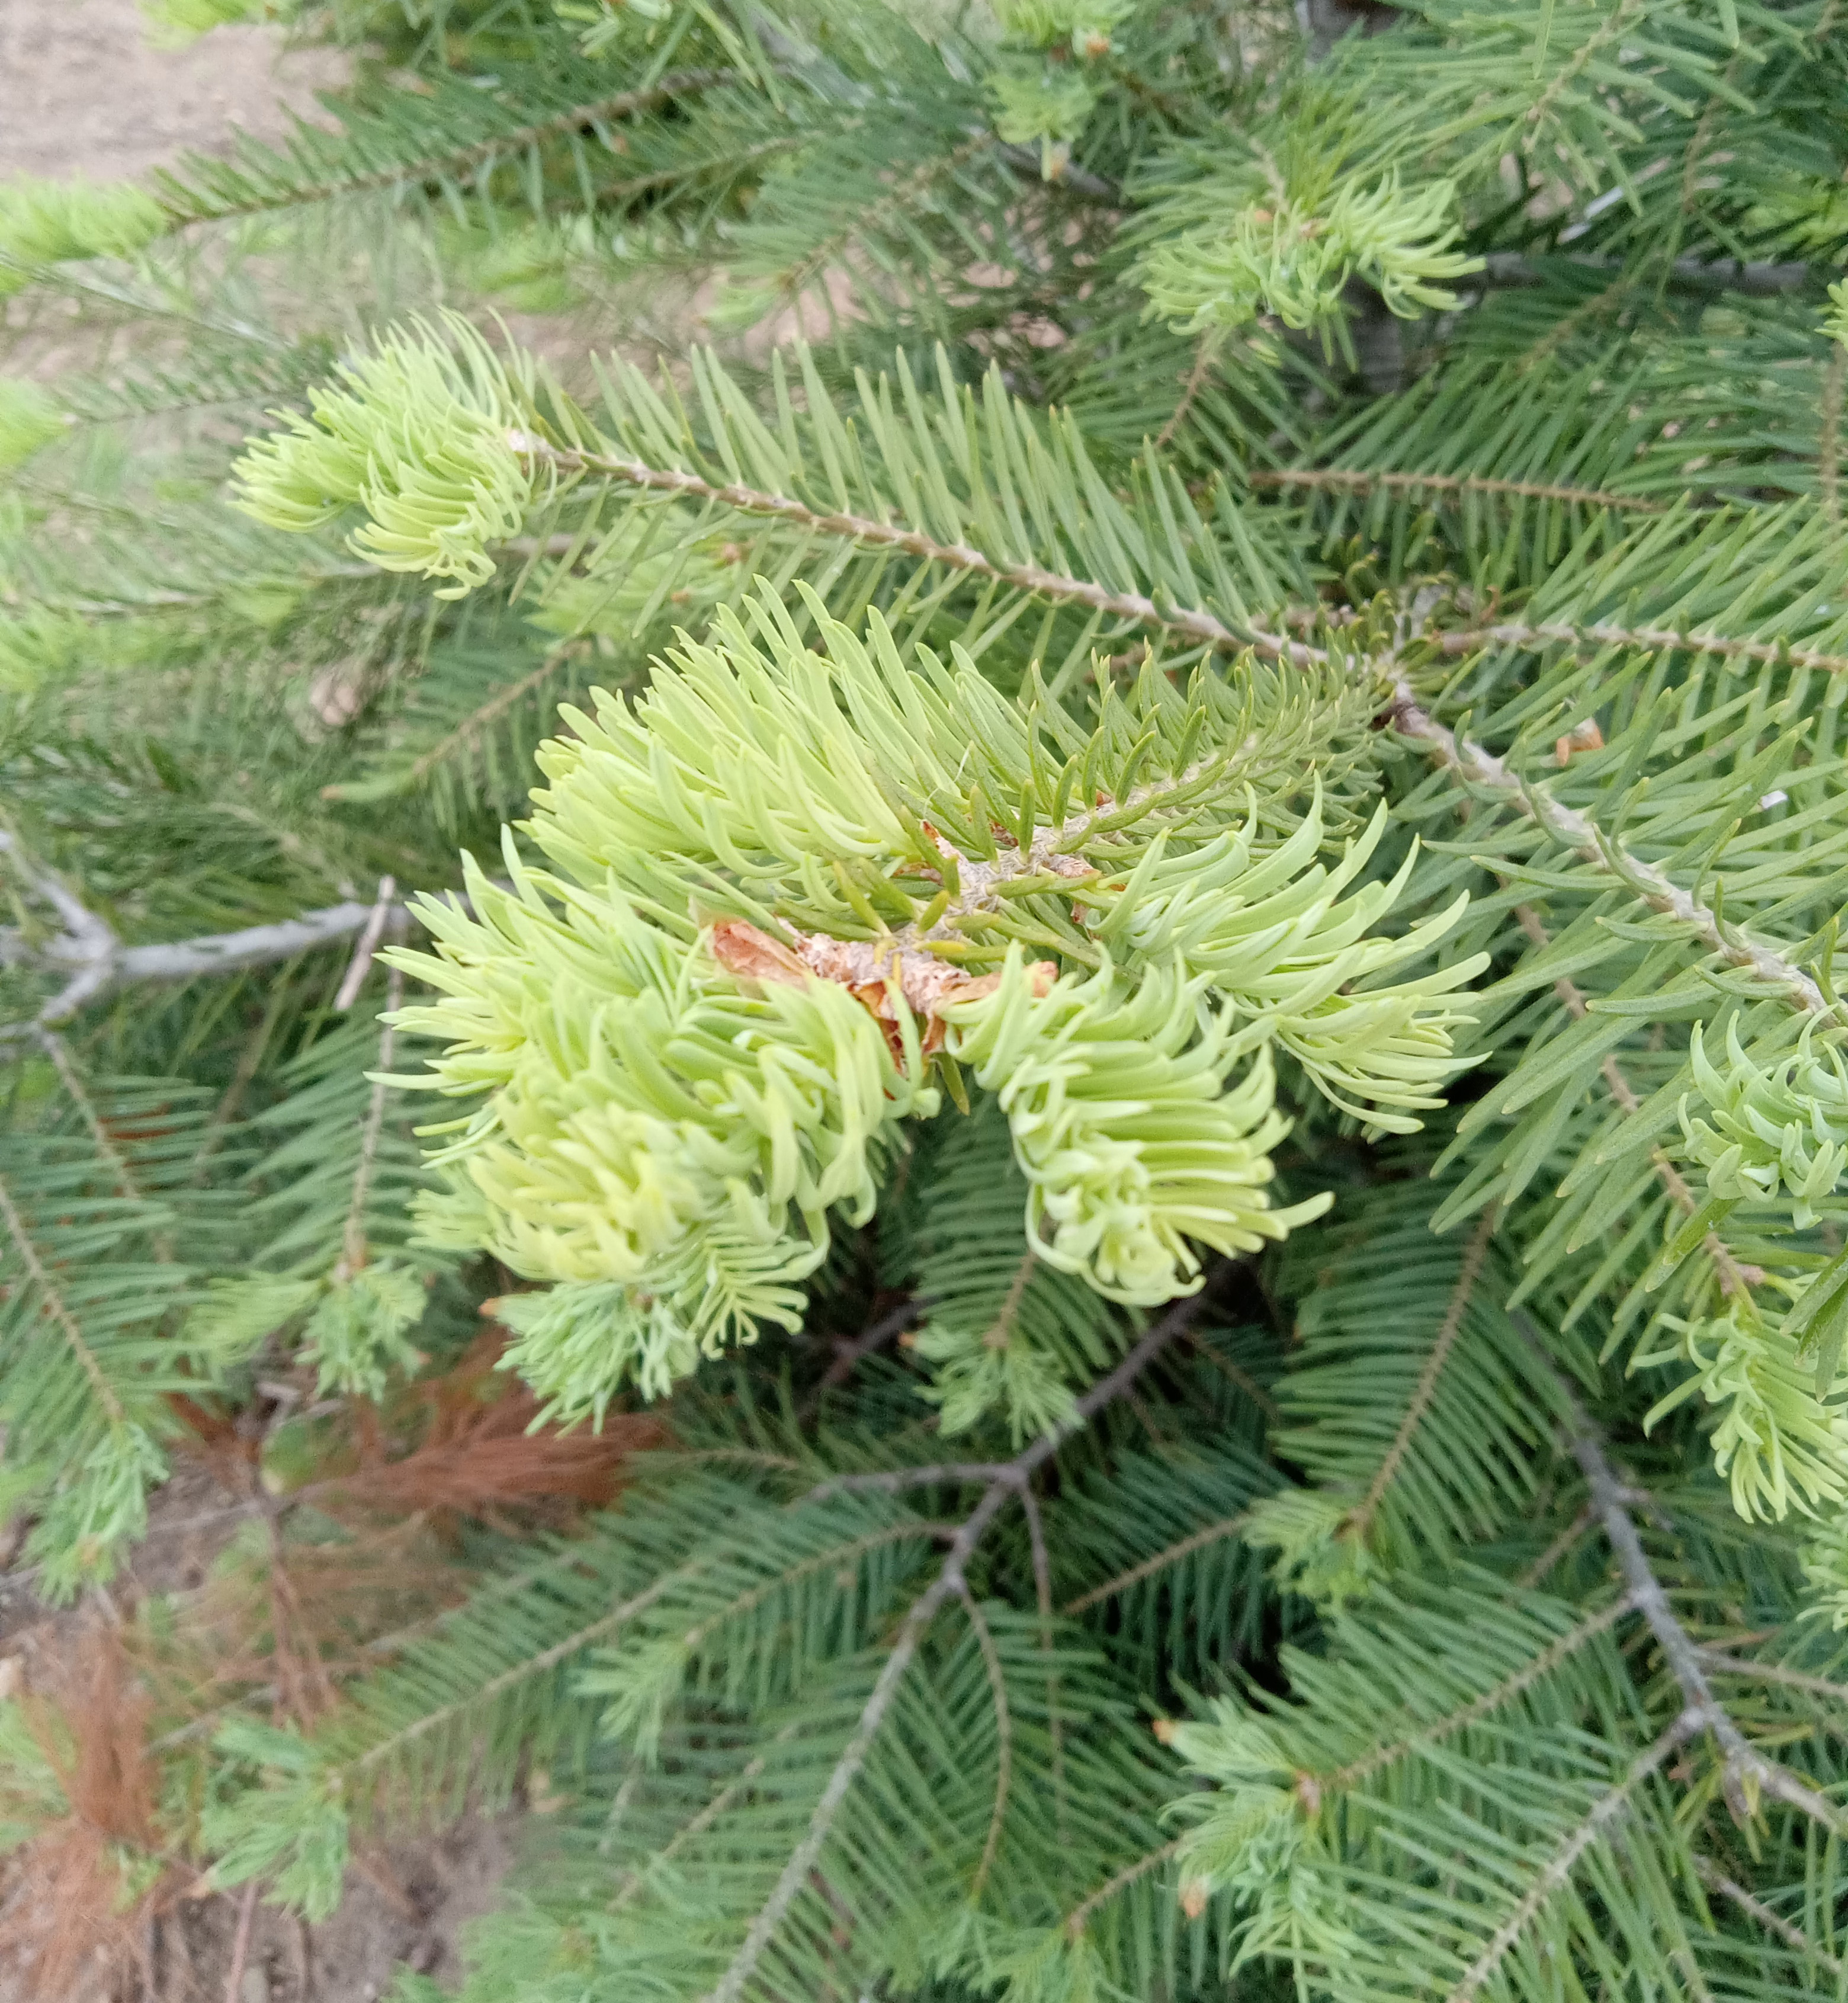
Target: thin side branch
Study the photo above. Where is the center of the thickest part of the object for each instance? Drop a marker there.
(1426, 1389)
(851, 1351)
(240, 1945)
(950, 1582)
(624, 104)
(1757, 278)
(1609, 1808)
(1828, 450)
(893, 1480)
(1715, 1880)
(353, 1245)
(1196, 1540)
(1003, 1729)
(1747, 1773)
(1733, 1278)
(1191, 624)
(1549, 1657)
(93, 961)
(1607, 633)
(56, 1309)
(1482, 772)
(1722, 1664)
(1079, 1917)
(1346, 480)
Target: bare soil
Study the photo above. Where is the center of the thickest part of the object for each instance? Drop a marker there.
(82, 92)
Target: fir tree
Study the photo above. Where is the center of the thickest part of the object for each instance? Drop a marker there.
(1136, 1284)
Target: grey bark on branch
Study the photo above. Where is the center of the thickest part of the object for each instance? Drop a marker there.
(1004, 1480)
(1746, 1772)
(93, 961)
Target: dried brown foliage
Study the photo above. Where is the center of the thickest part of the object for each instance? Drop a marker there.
(314, 1584)
(477, 1451)
(307, 1590)
(71, 1910)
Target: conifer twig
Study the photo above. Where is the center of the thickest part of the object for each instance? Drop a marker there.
(851, 1350)
(1607, 633)
(1004, 1725)
(1757, 278)
(1171, 1554)
(1733, 1278)
(622, 104)
(58, 1311)
(1191, 623)
(1365, 480)
(361, 964)
(1482, 771)
(353, 1239)
(950, 1582)
(1715, 1880)
(1079, 1917)
(240, 1945)
(1746, 1772)
(1609, 1809)
(1468, 1273)
(94, 961)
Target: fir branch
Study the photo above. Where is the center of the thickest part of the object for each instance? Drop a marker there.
(1735, 1278)
(1206, 352)
(465, 735)
(849, 1351)
(897, 202)
(1419, 1403)
(362, 962)
(56, 1307)
(1775, 1673)
(1609, 1808)
(950, 1582)
(1558, 1548)
(353, 1243)
(1759, 279)
(1746, 1772)
(1079, 1917)
(184, 208)
(1355, 480)
(697, 1825)
(58, 1051)
(95, 962)
(1481, 772)
(1197, 1540)
(1715, 1880)
(894, 1480)
(1828, 450)
(1568, 1645)
(383, 1750)
(1608, 31)
(1191, 624)
(1533, 637)
(1003, 1727)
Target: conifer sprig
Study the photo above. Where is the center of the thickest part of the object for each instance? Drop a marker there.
(1158, 832)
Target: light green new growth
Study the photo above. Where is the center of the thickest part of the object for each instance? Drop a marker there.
(1116, 1098)
(1782, 1440)
(424, 438)
(1282, 257)
(675, 1099)
(647, 1122)
(1781, 1128)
